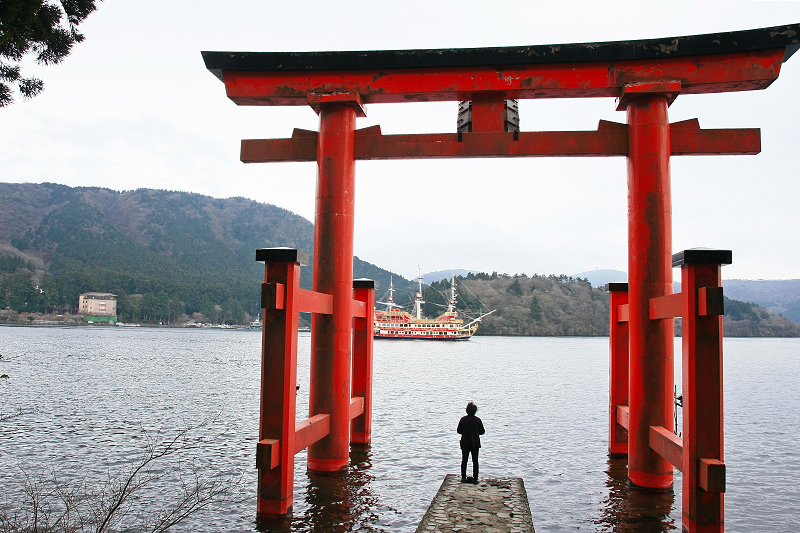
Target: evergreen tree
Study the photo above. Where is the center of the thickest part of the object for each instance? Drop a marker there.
(515, 288)
(42, 28)
(536, 309)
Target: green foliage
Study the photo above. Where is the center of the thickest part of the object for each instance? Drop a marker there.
(536, 309)
(12, 263)
(741, 310)
(515, 288)
(746, 319)
(164, 254)
(562, 305)
(45, 29)
(540, 305)
(482, 276)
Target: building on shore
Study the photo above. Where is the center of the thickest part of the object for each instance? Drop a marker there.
(98, 307)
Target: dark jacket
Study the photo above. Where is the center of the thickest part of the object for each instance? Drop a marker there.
(470, 428)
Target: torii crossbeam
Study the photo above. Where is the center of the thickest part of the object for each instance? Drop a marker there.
(644, 76)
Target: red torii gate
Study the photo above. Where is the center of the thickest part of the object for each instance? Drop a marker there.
(644, 77)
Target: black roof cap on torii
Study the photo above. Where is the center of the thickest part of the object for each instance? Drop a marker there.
(786, 37)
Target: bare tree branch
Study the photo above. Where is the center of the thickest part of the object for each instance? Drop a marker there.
(52, 505)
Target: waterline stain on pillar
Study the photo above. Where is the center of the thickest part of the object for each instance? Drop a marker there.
(494, 505)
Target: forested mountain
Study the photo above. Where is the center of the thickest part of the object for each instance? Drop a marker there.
(171, 255)
(165, 254)
(778, 295)
(539, 305)
(563, 305)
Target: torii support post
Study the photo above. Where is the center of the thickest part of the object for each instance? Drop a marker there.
(618, 370)
(280, 436)
(699, 454)
(703, 459)
(276, 435)
(361, 425)
(331, 335)
(649, 276)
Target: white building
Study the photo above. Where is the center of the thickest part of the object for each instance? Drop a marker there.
(97, 304)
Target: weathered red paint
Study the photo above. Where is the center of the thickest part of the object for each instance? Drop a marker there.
(268, 453)
(333, 274)
(361, 426)
(668, 445)
(488, 113)
(280, 438)
(311, 430)
(703, 510)
(623, 416)
(356, 407)
(278, 389)
(618, 370)
(742, 71)
(610, 139)
(687, 138)
(649, 276)
(668, 306)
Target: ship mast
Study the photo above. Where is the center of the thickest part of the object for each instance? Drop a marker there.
(451, 305)
(390, 305)
(418, 301)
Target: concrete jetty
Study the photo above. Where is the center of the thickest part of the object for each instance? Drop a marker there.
(495, 505)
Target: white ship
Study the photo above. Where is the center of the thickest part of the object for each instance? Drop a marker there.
(394, 323)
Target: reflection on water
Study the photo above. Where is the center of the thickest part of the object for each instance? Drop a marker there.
(87, 393)
(342, 503)
(334, 502)
(639, 511)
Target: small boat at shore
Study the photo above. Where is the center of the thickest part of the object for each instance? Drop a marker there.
(395, 323)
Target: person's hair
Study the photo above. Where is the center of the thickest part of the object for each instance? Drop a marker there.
(472, 408)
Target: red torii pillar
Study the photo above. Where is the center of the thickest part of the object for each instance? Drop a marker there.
(333, 274)
(618, 414)
(651, 372)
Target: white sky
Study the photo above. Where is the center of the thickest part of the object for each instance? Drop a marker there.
(134, 106)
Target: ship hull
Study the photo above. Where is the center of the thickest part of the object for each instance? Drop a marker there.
(401, 325)
(422, 337)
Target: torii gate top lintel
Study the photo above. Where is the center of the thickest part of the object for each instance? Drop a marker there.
(720, 62)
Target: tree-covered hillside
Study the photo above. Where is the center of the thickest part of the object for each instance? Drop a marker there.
(173, 255)
(539, 305)
(165, 254)
(562, 305)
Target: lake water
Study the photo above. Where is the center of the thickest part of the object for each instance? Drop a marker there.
(90, 396)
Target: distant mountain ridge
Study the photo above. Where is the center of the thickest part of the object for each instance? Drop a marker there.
(780, 296)
(439, 275)
(192, 253)
(566, 305)
(174, 255)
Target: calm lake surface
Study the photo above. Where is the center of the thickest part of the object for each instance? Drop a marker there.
(90, 396)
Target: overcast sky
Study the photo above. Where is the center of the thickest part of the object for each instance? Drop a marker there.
(133, 106)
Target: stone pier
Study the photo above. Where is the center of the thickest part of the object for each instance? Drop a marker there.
(497, 505)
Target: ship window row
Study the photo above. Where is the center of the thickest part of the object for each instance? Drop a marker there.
(390, 325)
(408, 325)
(383, 332)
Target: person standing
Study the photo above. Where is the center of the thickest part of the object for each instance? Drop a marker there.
(470, 428)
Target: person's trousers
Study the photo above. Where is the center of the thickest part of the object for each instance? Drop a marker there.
(464, 456)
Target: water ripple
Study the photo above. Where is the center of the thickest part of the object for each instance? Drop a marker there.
(92, 396)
